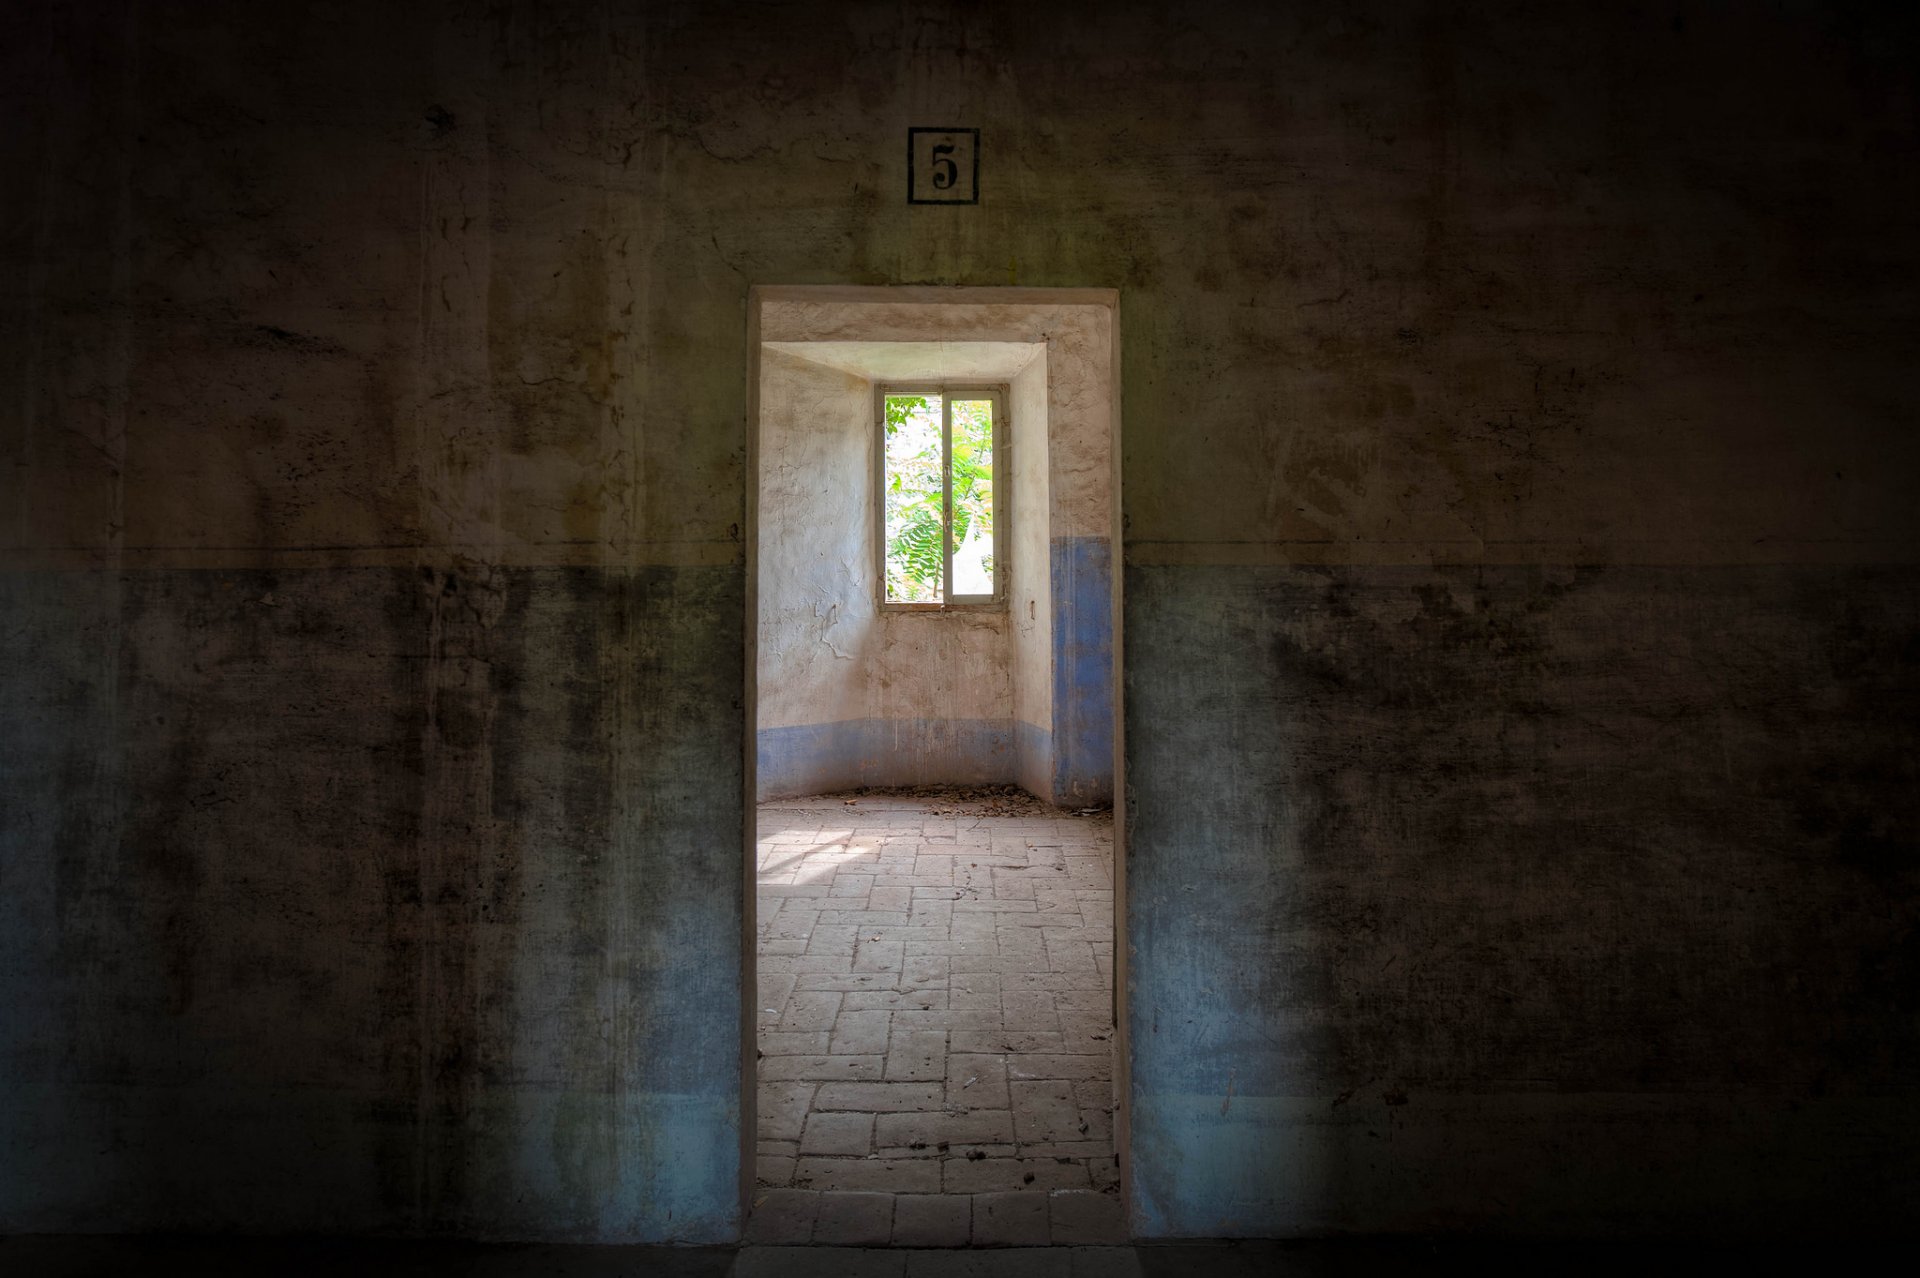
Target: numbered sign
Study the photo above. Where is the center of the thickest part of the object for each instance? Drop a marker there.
(943, 166)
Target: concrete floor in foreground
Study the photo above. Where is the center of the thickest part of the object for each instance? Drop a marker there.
(100, 1257)
(935, 1023)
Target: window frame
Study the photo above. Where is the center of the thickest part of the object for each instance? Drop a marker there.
(998, 394)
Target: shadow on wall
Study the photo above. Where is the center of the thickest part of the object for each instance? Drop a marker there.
(289, 946)
(1409, 794)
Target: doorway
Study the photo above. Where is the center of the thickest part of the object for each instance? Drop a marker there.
(935, 882)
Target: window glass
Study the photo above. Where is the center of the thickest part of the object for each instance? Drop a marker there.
(972, 453)
(915, 500)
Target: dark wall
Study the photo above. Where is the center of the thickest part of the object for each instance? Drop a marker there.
(1535, 899)
(1518, 456)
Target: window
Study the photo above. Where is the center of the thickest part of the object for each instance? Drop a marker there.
(942, 524)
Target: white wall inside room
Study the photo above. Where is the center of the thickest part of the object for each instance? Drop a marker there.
(1029, 597)
(850, 694)
(816, 545)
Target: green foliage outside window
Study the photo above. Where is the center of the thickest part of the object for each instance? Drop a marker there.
(915, 564)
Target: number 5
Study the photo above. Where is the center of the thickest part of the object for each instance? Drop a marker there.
(944, 169)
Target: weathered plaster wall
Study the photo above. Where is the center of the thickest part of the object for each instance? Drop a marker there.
(1080, 510)
(369, 801)
(1520, 555)
(851, 694)
(1062, 524)
(816, 602)
(1029, 588)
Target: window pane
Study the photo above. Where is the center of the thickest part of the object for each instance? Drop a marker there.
(916, 529)
(972, 497)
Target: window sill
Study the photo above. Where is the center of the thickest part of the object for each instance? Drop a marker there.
(987, 605)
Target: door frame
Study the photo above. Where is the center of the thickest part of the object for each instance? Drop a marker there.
(757, 296)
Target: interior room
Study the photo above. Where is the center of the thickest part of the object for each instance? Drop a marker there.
(934, 768)
(925, 637)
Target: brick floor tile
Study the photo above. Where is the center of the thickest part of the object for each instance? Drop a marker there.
(1025, 982)
(924, 972)
(971, 991)
(1016, 963)
(791, 922)
(1041, 921)
(778, 1043)
(977, 1080)
(1096, 1001)
(853, 1219)
(1010, 1220)
(831, 940)
(1027, 943)
(774, 988)
(992, 1175)
(875, 1098)
(877, 956)
(933, 943)
(1069, 955)
(844, 981)
(845, 884)
(932, 1220)
(1079, 1039)
(942, 1019)
(1009, 884)
(917, 1055)
(805, 962)
(865, 921)
(823, 1068)
(1026, 1065)
(1080, 1217)
(847, 1134)
(810, 1010)
(782, 1217)
(895, 1001)
(1074, 1150)
(858, 1033)
(906, 935)
(978, 1127)
(1002, 1041)
(886, 1175)
(1045, 1110)
(1087, 1027)
(782, 1109)
(1095, 1093)
(1033, 1011)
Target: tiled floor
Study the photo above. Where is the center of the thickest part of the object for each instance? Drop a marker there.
(936, 1028)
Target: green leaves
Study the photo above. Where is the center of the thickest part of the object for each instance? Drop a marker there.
(915, 567)
(902, 409)
(916, 535)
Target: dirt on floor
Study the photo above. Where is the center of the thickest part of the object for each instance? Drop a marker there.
(966, 800)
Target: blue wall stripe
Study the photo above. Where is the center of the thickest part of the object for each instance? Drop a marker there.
(1082, 571)
(817, 758)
